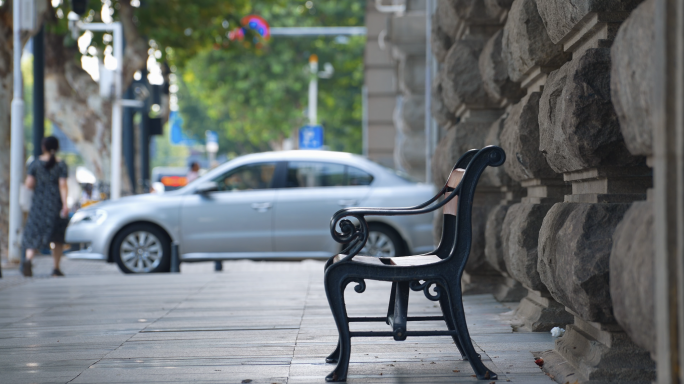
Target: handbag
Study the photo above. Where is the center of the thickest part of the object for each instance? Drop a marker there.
(25, 198)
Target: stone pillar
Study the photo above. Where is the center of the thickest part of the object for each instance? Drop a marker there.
(380, 82)
(473, 112)
(406, 34)
(502, 91)
(631, 260)
(580, 137)
(525, 164)
(527, 55)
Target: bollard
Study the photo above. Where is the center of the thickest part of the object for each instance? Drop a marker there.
(175, 258)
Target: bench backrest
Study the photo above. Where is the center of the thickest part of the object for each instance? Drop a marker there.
(458, 229)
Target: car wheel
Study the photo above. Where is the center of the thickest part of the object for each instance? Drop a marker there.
(383, 242)
(142, 248)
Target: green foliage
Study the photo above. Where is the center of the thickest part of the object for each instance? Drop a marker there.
(183, 28)
(256, 97)
(167, 154)
(177, 28)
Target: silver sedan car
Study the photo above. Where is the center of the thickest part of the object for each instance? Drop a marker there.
(274, 205)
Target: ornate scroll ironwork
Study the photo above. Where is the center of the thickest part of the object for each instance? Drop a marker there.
(360, 284)
(425, 287)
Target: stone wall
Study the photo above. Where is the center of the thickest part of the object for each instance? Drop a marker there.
(405, 41)
(565, 88)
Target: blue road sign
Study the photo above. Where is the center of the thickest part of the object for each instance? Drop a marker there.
(212, 137)
(178, 137)
(311, 137)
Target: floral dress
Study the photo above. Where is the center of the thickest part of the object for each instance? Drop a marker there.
(44, 226)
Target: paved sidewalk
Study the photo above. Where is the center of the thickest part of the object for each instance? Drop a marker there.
(258, 321)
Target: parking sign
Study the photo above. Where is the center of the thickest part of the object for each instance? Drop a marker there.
(311, 137)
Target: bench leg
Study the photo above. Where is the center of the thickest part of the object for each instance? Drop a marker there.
(393, 297)
(400, 313)
(449, 320)
(335, 355)
(334, 290)
(458, 314)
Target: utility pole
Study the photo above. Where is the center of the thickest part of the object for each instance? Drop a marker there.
(17, 132)
(38, 91)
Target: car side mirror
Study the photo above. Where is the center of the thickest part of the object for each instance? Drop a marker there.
(206, 187)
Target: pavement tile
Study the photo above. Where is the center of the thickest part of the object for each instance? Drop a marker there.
(268, 322)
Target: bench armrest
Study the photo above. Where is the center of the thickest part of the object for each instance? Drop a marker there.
(356, 238)
(474, 161)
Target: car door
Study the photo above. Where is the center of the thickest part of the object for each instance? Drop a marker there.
(235, 220)
(313, 192)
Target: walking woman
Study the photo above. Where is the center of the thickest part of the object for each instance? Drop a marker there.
(48, 217)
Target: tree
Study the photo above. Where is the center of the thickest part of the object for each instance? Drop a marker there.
(172, 30)
(256, 98)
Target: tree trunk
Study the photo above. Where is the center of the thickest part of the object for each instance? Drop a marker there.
(73, 101)
(5, 138)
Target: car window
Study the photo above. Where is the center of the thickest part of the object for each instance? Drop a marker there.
(309, 174)
(356, 176)
(247, 177)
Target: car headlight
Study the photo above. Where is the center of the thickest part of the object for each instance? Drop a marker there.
(97, 216)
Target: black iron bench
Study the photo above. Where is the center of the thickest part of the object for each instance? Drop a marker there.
(440, 270)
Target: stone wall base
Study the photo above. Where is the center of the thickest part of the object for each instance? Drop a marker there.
(509, 290)
(538, 312)
(476, 284)
(595, 353)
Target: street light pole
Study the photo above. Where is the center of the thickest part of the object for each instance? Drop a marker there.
(313, 90)
(17, 142)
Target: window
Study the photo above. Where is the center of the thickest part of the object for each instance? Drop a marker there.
(307, 174)
(356, 176)
(247, 177)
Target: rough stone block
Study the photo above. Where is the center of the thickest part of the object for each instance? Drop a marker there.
(632, 78)
(480, 12)
(540, 313)
(494, 253)
(409, 152)
(411, 74)
(458, 139)
(409, 114)
(578, 125)
(407, 33)
(575, 243)
(447, 19)
(495, 176)
(593, 353)
(460, 76)
(631, 275)
(477, 262)
(494, 71)
(439, 40)
(520, 140)
(497, 8)
(442, 115)
(520, 236)
(561, 16)
(525, 43)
